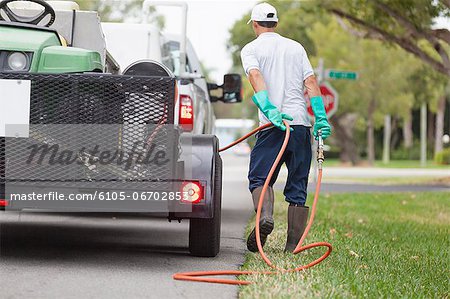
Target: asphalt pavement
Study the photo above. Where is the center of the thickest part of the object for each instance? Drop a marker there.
(61, 256)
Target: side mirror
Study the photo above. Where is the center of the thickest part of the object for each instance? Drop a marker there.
(232, 87)
(229, 92)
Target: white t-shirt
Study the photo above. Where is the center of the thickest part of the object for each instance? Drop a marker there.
(284, 65)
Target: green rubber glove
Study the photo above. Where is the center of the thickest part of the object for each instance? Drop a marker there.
(321, 120)
(261, 99)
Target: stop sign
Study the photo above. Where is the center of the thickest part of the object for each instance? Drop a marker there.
(330, 99)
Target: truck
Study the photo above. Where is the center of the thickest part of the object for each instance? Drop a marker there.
(65, 99)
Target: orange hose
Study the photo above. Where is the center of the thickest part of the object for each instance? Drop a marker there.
(200, 276)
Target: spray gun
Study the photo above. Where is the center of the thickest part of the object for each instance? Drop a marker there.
(320, 155)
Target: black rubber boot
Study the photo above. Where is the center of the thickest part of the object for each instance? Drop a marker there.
(297, 219)
(265, 222)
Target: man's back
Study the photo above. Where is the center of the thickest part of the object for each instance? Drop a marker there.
(284, 65)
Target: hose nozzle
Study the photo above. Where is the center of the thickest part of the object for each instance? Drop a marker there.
(320, 155)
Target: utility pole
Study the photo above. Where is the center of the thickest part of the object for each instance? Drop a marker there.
(321, 71)
(423, 135)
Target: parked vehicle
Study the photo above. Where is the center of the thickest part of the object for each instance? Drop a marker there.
(55, 70)
(193, 89)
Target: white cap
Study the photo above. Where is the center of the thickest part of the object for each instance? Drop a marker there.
(264, 12)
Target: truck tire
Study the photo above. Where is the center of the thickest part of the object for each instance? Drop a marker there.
(204, 234)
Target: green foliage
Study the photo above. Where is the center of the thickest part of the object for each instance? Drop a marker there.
(428, 86)
(412, 153)
(408, 24)
(421, 13)
(443, 157)
(383, 72)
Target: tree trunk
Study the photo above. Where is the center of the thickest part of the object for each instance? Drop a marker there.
(423, 135)
(439, 130)
(371, 133)
(387, 139)
(430, 127)
(407, 131)
(343, 126)
(395, 136)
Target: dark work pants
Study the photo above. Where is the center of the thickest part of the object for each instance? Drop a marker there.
(297, 158)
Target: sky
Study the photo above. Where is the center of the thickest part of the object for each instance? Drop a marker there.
(208, 25)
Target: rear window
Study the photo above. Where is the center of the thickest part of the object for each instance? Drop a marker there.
(171, 57)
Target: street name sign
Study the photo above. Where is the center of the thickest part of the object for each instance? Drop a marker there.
(341, 75)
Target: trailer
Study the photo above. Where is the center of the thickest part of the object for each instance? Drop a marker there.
(79, 135)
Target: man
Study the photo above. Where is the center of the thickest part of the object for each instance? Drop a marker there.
(278, 69)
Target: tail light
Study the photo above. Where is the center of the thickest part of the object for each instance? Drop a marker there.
(186, 117)
(4, 203)
(176, 93)
(192, 192)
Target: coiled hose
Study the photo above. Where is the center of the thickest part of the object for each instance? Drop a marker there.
(205, 276)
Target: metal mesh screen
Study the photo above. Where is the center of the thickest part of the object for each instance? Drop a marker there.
(121, 113)
(99, 99)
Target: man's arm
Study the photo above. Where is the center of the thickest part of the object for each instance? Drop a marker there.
(321, 119)
(312, 87)
(256, 80)
(261, 100)
(261, 96)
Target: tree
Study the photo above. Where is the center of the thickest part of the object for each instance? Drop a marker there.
(382, 87)
(408, 24)
(431, 88)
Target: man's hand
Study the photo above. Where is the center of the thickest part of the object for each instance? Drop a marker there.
(324, 126)
(276, 118)
(321, 120)
(261, 99)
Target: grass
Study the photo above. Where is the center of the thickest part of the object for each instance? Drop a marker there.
(385, 246)
(408, 164)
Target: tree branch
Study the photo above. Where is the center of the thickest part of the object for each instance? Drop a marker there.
(356, 32)
(415, 32)
(441, 33)
(403, 43)
(431, 35)
(410, 27)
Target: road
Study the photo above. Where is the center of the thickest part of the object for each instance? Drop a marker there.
(57, 256)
